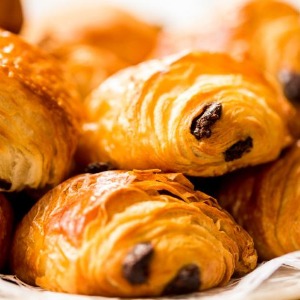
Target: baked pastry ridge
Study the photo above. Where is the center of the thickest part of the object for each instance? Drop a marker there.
(264, 200)
(41, 117)
(199, 113)
(128, 234)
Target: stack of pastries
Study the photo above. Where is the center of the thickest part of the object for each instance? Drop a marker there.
(113, 160)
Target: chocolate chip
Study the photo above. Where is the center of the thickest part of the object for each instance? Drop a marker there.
(5, 185)
(186, 281)
(291, 85)
(136, 264)
(201, 126)
(168, 193)
(97, 167)
(238, 149)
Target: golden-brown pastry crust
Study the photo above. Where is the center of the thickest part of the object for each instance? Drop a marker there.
(11, 15)
(265, 201)
(129, 234)
(265, 32)
(40, 119)
(203, 114)
(6, 226)
(96, 39)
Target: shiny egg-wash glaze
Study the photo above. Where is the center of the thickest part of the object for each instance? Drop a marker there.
(203, 114)
(129, 234)
(40, 116)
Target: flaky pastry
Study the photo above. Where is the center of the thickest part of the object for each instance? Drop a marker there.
(202, 114)
(265, 201)
(6, 227)
(40, 116)
(128, 234)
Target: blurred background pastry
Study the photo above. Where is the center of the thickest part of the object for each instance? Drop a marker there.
(95, 41)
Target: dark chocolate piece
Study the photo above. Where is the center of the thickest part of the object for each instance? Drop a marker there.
(5, 185)
(291, 85)
(201, 126)
(136, 264)
(97, 167)
(238, 149)
(186, 281)
(168, 193)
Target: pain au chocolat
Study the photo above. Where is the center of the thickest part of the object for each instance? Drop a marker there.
(40, 116)
(129, 234)
(202, 114)
(265, 201)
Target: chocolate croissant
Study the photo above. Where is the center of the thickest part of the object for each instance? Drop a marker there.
(41, 115)
(6, 227)
(265, 201)
(96, 41)
(129, 234)
(202, 114)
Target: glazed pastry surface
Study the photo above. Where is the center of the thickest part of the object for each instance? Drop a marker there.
(129, 234)
(202, 114)
(6, 226)
(40, 117)
(264, 200)
(96, 40)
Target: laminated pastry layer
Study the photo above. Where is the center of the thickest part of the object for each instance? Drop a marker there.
(264, 200)
(203, 114)
(129, 234)
(40, 117)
